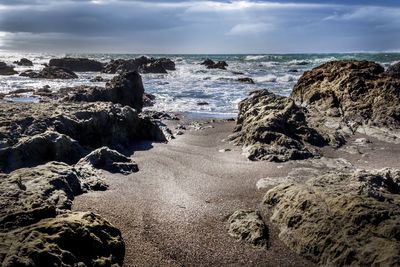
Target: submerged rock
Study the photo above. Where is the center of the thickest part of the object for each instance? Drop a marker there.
(126, 89)
(341, 219)
(246, 80)
(6, 69)
(77, 64)
(249, 227)
(71, 239)
(24, 62)
(51, 72)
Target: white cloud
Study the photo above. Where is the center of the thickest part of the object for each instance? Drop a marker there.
(250, 28)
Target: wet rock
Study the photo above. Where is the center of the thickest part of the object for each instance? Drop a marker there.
(109, 160)
(44, 91)
(394, 70)
(153, 67)
(148, 99)
(72, 239)
(246, 80)
(167, 63)
(274, 128)
(126, 89)
(210, 64)
(340, 218)
(98, 79)
(293, 70)
(358, 92)
(249, 227)
(159, 115)
(51, 72)
(20, 91)
(24, 62)
(202, 103)
(6, 69)
(76, 64)
(142, 64)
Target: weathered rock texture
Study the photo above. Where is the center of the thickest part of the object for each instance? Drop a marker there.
(31, 134)
(341, 219)
(360, 92)
(50, 73)
(274, 128)
(210, 64)
(394, 70)
(6, 69)
(24, 62)
(248, 226)
(141, 64)
(125, 89)
(77, 64)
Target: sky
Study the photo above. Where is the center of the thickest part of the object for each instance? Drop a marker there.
(206, 27)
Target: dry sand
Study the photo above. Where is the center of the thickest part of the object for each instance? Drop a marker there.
(173, 212)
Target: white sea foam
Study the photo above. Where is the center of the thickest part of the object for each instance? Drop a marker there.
(254, 57)
(269, 78)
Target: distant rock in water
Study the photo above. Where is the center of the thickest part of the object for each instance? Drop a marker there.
(394, 70)
(142, 64)
(246, 80)
(340, 219)
(24, 62)
(77, 64)
(50, 73)
(210, 64)
(126, 89)
(202, 103)
(360, 92)
(6, 69)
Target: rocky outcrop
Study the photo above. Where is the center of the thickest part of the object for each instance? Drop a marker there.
(72, 239)
(394, 70)
(109, 160)
(210, 64)
(50, 73)
(274, 128)
(148, 99)
(249, 227)
(6, 69)
(26, 140)
(77, 64)
(141, 64)
(24, 62)
(340, 219)
(125, 89)
(358, 92)
(246, 80)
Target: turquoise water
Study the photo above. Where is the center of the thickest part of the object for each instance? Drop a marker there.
(191, 83)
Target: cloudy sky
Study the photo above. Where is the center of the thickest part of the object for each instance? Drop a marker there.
(211, 26)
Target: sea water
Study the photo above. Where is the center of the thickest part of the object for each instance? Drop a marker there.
(191, 83)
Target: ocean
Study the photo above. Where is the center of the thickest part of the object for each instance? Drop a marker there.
(192, 83)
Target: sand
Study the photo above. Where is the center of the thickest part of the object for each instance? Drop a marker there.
(173, 212)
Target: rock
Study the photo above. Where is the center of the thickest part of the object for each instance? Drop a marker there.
(148, 99)
(237, 72)
(44, 91)
(359, 92)
(97, 79)
(6, 70)
(249, 227)
(24, 62)
(159, 115)
(274, 128)
(20, 91)
(142, 64)
(210, 64)
(341, 219)
(293, 70)
(109, 160)
(50, 73)
(24, 128)
(125, 89)
(202, 103)
(76, 64)
(167, 63)
(246, 80)
(394, 70)
(153, 67)
(71, 239)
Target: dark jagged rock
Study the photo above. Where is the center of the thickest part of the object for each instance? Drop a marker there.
(341, 219)
(71, 239)
(148, 99)
(359, 92)
(274, 128)
(154, 67)
(248, 226)
(6, 69)
(109, 160)
(167, 63)
(210, 64)
(246, 80)
(142, 64)
(394, 70)
(24, 62)
(50, 73)
(202, 103)
(77, 64)
(126, 89)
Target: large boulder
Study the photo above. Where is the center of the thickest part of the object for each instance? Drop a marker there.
(340, 219)
(141, 64)
(77, 64)
(125, 89)
(394, 70)
(154, 67)
(210, 64)
(359, 92)
(71, 239)
(50, 72)
(6, 69)
(24, 62)
(274, 128)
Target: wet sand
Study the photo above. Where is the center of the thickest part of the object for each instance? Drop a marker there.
(173, 212)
